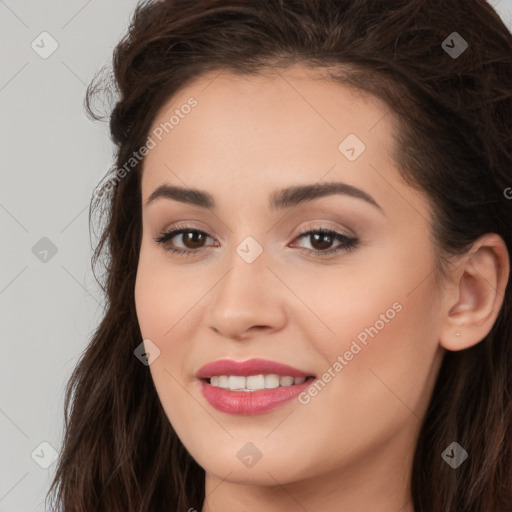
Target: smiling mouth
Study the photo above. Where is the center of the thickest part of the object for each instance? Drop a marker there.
(254, 382)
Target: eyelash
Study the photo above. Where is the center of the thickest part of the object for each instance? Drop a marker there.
(348, 243)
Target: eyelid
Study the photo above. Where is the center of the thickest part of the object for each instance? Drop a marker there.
(325, 226)
(322, 226)
(347, 243)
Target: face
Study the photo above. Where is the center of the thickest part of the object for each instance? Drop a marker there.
(336, 283)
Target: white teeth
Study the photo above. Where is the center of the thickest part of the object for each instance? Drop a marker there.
(286, 381)
(223, 382)
(253, 382)
(236, 382)
(271, 381)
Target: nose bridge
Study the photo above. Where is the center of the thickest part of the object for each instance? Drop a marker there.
(246, 295)
(246, 279)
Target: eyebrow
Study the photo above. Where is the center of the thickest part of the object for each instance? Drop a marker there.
(279, 200)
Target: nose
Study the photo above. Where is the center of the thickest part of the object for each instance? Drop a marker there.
(247, 300)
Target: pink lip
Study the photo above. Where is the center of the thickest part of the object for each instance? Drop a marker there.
(249, 402)
(247, 368)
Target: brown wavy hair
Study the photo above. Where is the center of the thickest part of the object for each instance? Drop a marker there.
(120, 452)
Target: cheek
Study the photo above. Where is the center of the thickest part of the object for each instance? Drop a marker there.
(159, 310)
(149, 302)
(166, 300)
(377, 378)
(381, 339)
(160, 297)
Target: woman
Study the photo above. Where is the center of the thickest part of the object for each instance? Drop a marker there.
(308, 228)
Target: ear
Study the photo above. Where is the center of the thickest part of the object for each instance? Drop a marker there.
(476, 293)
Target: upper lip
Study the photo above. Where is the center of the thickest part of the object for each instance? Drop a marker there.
(247, 368)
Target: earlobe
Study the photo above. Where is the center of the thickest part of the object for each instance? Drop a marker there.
(482, 276)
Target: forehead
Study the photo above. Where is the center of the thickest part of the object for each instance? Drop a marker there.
(258, 133)
(280, 114)
(298, 93)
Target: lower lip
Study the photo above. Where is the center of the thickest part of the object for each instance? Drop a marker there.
(251, 402)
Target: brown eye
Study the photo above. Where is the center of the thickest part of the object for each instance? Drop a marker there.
(192, 240)
(321, 240)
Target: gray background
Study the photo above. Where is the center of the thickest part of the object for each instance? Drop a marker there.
(52, 158)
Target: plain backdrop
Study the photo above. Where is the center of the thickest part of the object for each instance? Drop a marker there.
(52, 157)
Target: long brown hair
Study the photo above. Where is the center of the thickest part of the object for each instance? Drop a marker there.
(120, 453)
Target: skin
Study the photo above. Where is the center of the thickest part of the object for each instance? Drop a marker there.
(351, 447)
